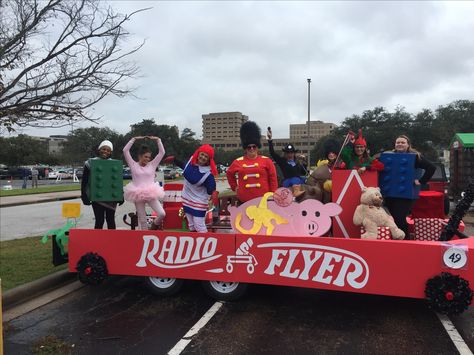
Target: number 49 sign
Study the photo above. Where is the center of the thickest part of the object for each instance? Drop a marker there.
(455, 257)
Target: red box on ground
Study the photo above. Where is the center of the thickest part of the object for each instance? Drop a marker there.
(346, 190)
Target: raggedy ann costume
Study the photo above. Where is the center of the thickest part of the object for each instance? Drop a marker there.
(255, 176)
(199, 185)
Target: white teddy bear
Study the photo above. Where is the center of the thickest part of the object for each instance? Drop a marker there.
(371, 215)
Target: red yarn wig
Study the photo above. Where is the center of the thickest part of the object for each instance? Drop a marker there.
(205, 148)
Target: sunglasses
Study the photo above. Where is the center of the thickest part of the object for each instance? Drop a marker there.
(251, 146)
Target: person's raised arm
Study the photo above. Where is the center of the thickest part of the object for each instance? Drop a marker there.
(272, 177)
(278, 159)
(161, 151)
(126, 150)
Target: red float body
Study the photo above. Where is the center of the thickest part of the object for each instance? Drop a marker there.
(340, 264)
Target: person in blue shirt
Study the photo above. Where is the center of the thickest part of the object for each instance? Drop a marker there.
(400, 208)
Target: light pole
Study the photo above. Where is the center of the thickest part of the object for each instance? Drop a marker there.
(308, 124)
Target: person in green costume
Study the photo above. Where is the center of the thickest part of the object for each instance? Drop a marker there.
(355, 156)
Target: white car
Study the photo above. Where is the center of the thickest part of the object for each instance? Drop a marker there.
(53, 174)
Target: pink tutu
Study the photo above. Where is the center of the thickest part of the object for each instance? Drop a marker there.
(132, 192)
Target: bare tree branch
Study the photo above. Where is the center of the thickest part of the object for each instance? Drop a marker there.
(58, 59)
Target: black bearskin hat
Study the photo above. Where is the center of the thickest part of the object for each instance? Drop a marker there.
(331, 145)
(250, 133)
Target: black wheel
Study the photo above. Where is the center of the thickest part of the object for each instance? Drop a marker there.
(92, 269)
(446, 205)
(164, 286)
(224, 290)
(448, 294)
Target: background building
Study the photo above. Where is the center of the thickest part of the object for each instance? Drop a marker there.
(221, 129)
(317, 129)
(55, 143)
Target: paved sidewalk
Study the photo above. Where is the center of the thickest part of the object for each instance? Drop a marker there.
(8, 201)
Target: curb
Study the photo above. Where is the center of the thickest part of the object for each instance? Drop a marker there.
(13, 204)
(25, 292)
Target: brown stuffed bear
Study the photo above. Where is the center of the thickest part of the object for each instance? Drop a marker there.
(371, 215)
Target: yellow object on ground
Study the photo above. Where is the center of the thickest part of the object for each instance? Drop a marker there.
(71, 209)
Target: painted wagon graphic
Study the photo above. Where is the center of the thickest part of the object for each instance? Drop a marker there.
(242, 256)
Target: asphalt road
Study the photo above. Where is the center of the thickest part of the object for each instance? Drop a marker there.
(36, 219)
(33, 220)
(120, 316)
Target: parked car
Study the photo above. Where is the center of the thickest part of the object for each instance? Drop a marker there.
(65, 174)
(127, 174)
(439, 182)
(79, 173)
(17, 172)
(42, 172)
(52, 174)
(3, 171)
(179, 171)
(169, 173)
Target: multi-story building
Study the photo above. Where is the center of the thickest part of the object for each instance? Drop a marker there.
(222, 129)
(317, 129)
(55, 143)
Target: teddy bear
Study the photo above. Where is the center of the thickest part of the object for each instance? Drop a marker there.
(317, 185)
(371, 215)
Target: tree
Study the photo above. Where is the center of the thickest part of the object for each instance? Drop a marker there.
(58, 59)
(168, 134)
(82, 144)
(189, 144)
(23, 150)
(226, 157)
(187, 135)
(457, 117)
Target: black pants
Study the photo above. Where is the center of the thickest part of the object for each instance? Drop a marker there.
(400, 208)
(101, 211)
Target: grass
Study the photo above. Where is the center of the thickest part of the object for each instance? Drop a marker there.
(40, 190)
(25, 260)
(51, 345)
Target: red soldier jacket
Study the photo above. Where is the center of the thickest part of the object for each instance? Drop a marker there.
(255, 177)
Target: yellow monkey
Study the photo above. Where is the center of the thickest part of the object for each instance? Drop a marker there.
(260, 215)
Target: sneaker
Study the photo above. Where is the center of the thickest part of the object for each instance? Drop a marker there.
(155, 226)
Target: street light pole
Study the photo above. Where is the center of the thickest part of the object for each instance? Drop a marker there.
(308, 123)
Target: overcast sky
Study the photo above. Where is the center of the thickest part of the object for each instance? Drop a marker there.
(255, 57)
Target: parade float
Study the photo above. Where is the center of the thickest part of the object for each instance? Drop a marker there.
(275, 240)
